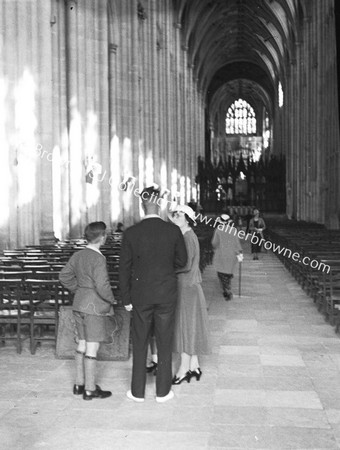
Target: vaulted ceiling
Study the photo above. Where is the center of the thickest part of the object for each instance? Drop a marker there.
(240, 48)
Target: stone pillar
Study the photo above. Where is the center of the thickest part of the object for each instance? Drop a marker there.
(170, 154)
(155, 95)
(306, 121)
(297, 126)
(75, 156)
(178, 110)
(101, 54)
(44, 17)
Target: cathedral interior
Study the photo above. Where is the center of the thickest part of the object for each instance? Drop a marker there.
(228, 105)
(99, 98)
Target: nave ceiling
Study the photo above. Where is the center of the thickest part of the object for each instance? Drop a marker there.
(240, 48)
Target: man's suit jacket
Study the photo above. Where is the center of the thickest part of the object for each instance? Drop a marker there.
(86, 275)
(151, 252)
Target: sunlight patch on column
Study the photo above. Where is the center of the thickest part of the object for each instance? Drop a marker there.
(188, 190)
(94, 168)
(25, 124)
(128, 172)
(115, 178)
(76, 164)
(174, 190)
(5, 179)
(149, 169)
(141, 174)
(56, 186)
(182, 190)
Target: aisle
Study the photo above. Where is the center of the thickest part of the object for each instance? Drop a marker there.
(278, 365)
(272, 382)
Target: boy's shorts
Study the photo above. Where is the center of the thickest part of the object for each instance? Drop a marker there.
(90, 328)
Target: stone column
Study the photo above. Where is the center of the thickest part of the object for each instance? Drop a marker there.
(307, 124)
(298, 131)
(103, 95)
(44, 17)
(177, 109)
(115, 160)
(169, 77)
(75, 156)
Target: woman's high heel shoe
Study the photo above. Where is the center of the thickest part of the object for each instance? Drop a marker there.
(152, 368)
(177, 380)
(197, 373)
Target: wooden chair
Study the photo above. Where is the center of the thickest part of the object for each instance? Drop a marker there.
(45, 275)
(45, 298)
(114, 282)
(37, 267)
(18, 274)
(12, 315)
(331, 295)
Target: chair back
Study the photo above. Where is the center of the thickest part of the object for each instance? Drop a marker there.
(19, 274)
(10, 294)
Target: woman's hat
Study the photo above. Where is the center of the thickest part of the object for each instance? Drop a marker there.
(224, 218)
(186, 210)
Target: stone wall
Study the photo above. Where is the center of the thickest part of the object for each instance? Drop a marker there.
(308, 123)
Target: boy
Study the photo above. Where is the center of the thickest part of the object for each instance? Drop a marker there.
(86, 275)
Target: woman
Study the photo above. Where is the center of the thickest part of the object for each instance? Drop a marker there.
(191, 325)
(227, 250)
(256, 227)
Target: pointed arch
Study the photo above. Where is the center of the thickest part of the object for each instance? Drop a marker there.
(240, 118)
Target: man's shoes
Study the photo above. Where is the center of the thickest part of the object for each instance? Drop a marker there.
(98, 393)
(135, 399)
(78, 389)
(165, 398)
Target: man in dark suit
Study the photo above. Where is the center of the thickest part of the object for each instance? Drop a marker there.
(151, 252)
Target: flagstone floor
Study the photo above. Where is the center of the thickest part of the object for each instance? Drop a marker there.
(272, 382)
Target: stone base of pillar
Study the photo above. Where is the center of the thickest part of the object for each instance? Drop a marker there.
(47, 238)
(333, 222)
(116, 348)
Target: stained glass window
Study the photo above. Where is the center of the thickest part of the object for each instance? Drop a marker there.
(240, 118)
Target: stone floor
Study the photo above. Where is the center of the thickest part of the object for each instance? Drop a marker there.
(272, 382)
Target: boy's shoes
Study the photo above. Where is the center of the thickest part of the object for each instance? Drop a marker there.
(78, 389)
(98, 393)
(135, 399)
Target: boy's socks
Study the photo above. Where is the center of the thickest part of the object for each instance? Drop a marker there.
(80, 375)
(90, 372)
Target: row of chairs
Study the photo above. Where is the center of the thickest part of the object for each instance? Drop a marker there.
(31, 305)
(31, 295)
(319, 274)
(30, 292)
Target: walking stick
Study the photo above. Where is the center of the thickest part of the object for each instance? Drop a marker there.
(239, 278)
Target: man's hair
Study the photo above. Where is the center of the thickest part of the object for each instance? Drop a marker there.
(150, 194)
(94, 231)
